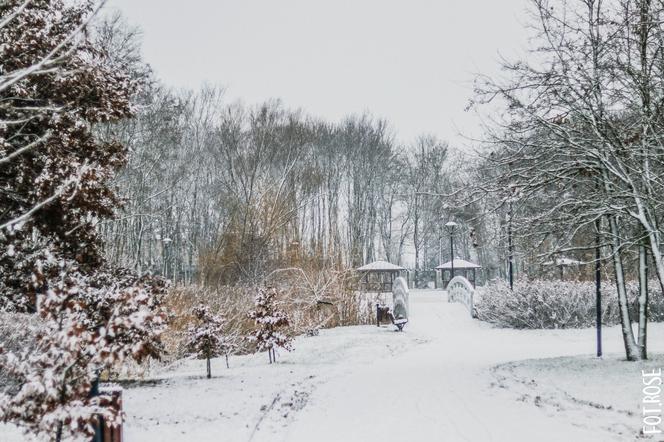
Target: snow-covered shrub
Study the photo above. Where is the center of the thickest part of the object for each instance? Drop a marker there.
(269, 320)
(556, 304)
(205, 339)
(537, 304)
(655, 301)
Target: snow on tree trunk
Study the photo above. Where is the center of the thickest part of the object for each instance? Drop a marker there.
(631, 347)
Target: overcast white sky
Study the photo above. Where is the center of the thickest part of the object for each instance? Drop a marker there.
(410, 61)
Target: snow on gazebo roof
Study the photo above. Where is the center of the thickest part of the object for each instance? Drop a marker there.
(459, 264)
(563, 262)
(380, 266)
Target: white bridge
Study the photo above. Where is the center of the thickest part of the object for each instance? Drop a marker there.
(459, 289)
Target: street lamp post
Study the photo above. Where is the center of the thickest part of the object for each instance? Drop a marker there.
(451, 227)
(510, 248)
(440, 245)
(598, 288)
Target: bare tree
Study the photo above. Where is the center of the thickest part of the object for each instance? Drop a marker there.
(581, 120)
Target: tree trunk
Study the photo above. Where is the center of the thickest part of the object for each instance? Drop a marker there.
(209, 368)
(643, 300)
(631, 348)
(416, 222)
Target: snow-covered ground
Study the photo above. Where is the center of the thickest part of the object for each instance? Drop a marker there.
(446, 378)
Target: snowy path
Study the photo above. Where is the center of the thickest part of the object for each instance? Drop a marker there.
(434, 382)
(440, 390)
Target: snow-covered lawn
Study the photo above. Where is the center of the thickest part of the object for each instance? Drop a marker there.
(579, 389)
(446, 378)
(252, 400)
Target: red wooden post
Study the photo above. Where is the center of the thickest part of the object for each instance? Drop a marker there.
(109, 433)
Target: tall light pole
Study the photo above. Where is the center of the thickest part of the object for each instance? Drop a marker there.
(440, 245)
(598, 287)
(451, 227)
(510, 247)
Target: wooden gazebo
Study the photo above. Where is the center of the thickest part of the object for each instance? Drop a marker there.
(563, 262)
(462, 267)
(379, 276)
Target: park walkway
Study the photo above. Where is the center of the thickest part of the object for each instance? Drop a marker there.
(440, 390)
(433, 382)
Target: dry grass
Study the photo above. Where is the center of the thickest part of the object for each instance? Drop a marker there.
(311, 299)
(233, 303)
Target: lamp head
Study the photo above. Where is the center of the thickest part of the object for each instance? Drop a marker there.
(451, 226)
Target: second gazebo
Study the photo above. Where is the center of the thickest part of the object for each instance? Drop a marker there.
(461, 268)
(379, 276)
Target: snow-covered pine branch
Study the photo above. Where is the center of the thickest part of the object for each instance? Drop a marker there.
(269, 320)
(206, 339)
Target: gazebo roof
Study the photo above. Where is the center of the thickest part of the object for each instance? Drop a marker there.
(563, 262)
(380, 266)
(459, 264)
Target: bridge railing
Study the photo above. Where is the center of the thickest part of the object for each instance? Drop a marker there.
(400, 299)
(459, 289)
